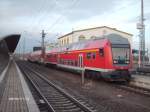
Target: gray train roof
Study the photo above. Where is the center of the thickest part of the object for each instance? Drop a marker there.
(117, 39)
(11, 41)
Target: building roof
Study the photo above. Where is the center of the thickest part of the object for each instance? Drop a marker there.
(95, 28)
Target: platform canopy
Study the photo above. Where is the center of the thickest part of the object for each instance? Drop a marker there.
(11, 41)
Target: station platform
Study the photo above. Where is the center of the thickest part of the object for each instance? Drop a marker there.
(141, 81)
(16, 96)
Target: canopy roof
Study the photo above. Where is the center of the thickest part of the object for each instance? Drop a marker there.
(11, 41)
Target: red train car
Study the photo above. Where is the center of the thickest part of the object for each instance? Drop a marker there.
(108, 57)
(35, 56)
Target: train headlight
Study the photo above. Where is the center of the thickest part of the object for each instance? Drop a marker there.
(127, 62)
(115, 61)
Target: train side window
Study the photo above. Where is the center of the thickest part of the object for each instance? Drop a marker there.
(88, 55)
(68, 62)
(94, 55)
(72, 63)
(101, 52)
(76, 62)
(59, 60)
(48, 56)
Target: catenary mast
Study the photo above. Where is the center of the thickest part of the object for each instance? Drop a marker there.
(141, 28)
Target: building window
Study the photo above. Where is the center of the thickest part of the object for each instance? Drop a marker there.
(62, 41)
(67, 40)
(93, 37)
(81, 37)
(104, 32)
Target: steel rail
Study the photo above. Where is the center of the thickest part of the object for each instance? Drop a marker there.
(75, 101)
(135, 89)
(50, 108)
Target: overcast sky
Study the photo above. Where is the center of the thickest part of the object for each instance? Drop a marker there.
(58, 17)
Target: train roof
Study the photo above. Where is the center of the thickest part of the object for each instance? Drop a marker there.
(36, 52)
(117, 39)
(92, 43)
(88, 44)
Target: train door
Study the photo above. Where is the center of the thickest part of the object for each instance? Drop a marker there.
(80, 60)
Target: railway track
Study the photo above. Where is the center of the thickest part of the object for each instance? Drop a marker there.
(54, 99)
(115, 86)
(125, 87)
(134, 89)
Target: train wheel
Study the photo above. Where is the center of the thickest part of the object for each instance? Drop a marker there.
(97, 75)
(88, 73)
(128, 78)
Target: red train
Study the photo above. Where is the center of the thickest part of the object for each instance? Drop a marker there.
(109, 57)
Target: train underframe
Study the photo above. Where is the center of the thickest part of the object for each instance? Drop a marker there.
(116, 75)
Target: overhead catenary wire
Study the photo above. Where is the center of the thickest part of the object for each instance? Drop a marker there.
(47, 10)
(36, 19)
(62, 15)
(33, 17)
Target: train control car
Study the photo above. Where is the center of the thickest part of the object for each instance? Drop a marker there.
(51, 57)
(109, 57)
(35, 56)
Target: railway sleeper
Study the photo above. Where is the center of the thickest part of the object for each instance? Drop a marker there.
(67, 109)
(55, 96)
(64, 104)
(57, 99)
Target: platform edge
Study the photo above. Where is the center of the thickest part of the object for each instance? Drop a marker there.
(32, 106)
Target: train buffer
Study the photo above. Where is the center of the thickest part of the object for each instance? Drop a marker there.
(15, 95)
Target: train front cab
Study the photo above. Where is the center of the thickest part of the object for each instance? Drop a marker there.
(118, 61)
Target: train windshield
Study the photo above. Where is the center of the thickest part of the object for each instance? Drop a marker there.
(121, 55)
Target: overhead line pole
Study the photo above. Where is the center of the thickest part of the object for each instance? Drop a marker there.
(43, 46)
(141, 28)
(143, 32)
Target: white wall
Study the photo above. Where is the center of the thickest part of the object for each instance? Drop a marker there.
(98, 32)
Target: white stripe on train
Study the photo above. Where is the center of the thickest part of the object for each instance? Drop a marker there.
(83, 68)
